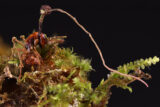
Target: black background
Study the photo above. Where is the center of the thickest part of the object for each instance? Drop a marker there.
(124, 29)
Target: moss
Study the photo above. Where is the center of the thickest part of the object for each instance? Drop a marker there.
(42, 74)
(60, 79)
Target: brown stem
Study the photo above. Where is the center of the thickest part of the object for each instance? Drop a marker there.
(14, 39)
(20, 65)
(96, 45)
(40, 23)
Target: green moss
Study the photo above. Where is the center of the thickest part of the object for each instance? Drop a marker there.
(60, 80)
(136, 65)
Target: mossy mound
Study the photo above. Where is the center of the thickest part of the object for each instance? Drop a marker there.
(53, 76)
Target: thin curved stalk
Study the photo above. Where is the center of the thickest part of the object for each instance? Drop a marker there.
(94, 42)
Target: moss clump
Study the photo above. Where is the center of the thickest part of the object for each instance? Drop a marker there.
(56, 76)
(39, 73)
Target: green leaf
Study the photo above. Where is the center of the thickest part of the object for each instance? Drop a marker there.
(126, 68)
(13, 62)
(128, 88)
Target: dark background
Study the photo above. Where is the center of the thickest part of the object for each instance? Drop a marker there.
(124, 29)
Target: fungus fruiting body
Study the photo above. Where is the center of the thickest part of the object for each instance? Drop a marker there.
(40, 73)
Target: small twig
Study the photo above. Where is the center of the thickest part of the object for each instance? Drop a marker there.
(36, 95)
(20, 65)
(14, 39)
(94, 42)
